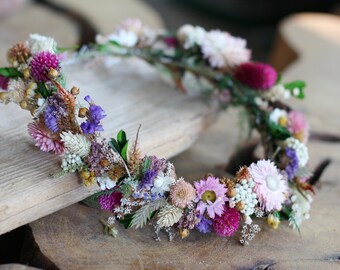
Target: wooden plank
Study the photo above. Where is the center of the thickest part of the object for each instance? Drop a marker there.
(131, 94)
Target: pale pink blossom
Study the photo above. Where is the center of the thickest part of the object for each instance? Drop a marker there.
(298, 126)
(44, 138)
(270, 185)
(223, 50)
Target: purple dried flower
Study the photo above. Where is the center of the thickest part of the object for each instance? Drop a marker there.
(171, 41)
(3, 82)
(148, 177)
(96, 114)
(204, 226)
(51, 119)
(158, 164)
(42, 63)
(109, 202)
(293, 164)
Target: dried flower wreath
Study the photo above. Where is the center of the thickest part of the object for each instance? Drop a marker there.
(138, 190)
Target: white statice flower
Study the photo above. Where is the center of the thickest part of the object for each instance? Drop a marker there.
(190, 35)
(223, 50)
(38, 43)
(261, 103)
(162, 183)
(122, 37)
(71, 162)
(300, 149)
(105, 182)
(300, 208)
(76, 143)
(169, 215)
(277, 92)
(276, 115)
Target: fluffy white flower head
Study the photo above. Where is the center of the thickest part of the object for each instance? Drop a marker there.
(277, 92)
(38, 43)
(122, 37)
(300, 207)
(190, 35)
(76, 143)
(300, 149)
(105, 182)
(162, 183)
(223, 50)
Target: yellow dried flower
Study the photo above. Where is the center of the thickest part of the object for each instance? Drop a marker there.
(273, 221)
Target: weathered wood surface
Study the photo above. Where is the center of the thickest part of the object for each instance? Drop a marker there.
(131, 93)
(15, 266)
(72, 238)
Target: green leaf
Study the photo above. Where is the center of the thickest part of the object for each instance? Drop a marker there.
(123, 153)
(115, 43)
(279, 77)
(10, 72)
(114, 145)
(127, 220)
(146, 164)
(296, 85)
(42, 90)
(278, 132)
(121, 138)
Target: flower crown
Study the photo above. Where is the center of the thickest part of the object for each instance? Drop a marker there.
(145, 189)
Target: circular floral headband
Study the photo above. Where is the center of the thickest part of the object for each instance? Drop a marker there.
(145, 189)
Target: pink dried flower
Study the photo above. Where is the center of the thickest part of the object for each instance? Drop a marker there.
(227, 224)
(256, 75)
(110, 201)
(42, 63)
(3, 82)
(210, 196)
(298, 126)
(223, 50)
(182, 194)
(44, 138)
(270, 186)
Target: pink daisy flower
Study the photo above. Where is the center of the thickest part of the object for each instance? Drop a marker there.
(270, 186)
(298, 126)
(44, 138)
(227, 224)
(210, 196)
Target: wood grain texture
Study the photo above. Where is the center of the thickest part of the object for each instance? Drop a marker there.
(15, 266)
(169, 125)
(72, 238)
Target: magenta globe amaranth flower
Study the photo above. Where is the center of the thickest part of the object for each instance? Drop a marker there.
(110, 201)
(3, 82)
(210, 196)
(42, 63)
(227, 224)
(256, 75)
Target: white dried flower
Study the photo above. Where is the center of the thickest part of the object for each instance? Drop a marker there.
(169, 215)
(162, 183)
(301, 150)
(105, 182)
(122, 37)
(276, 115)
(301, 206)
(277, 92)
(224, 50)
(244, 192)
(263, 104)
(190, 35)
(71, 163)
(76, 143)
(38, 43)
